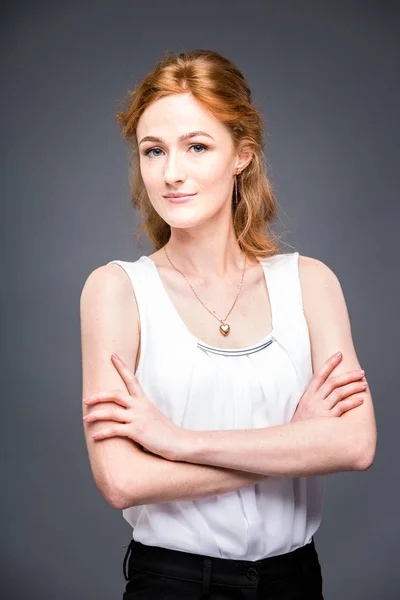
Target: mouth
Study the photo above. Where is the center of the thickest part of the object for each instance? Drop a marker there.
(178, 199)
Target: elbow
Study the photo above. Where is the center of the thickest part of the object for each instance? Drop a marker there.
(121, 502)
(116, 501)
(365, 455)
(121, 499)
(114, 495)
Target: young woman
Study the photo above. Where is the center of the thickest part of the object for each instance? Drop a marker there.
(214, 397)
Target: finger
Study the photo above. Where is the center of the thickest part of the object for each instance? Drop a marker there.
(117, 396)
(331, 388)
(321, 375)
(119, 415)
(128, 377)
(343, 392)
(333, 382)
(113, 431)
(346, 405)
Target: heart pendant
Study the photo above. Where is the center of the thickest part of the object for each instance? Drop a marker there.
(224, 328)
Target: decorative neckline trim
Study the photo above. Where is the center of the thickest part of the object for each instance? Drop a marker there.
(238, 351)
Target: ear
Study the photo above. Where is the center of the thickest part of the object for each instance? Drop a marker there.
(244, 157)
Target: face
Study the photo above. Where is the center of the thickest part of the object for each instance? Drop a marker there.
(202, 165)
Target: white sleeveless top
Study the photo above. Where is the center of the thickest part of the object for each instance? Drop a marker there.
(203, 387)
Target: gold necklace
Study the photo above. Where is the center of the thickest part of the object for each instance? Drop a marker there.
(224, 328)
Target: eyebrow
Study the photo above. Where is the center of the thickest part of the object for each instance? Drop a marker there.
(181, 138)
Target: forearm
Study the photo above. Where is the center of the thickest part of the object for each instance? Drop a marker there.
(302, 448)
(156, 479)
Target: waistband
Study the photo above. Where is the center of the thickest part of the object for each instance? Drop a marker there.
(200, 568)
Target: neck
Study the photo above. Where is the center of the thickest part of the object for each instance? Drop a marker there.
(207, 253)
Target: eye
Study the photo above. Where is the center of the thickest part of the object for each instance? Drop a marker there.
(147, 152)
(201, 146)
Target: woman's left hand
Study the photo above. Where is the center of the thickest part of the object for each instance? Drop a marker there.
(136, 417)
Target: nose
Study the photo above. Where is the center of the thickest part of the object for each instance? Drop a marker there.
(174, 170)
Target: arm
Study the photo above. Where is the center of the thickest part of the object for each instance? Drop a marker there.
(125, 474)
(162, 480)
(314, 446)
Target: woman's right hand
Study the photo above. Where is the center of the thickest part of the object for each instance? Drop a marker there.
(330, 396)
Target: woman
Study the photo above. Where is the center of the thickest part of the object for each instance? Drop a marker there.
(216, 448)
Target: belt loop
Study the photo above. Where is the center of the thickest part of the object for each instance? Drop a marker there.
(205, 589)
(129, 550)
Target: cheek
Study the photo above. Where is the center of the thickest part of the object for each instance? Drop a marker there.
(212, 176)
(214, 165)
(217, 185)
(151, 175)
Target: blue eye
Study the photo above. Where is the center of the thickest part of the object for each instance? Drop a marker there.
(147, 152)
(198, 146)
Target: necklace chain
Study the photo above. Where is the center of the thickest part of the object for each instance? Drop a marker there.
(224, 325)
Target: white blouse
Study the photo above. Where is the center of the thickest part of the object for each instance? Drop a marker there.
(202, 387)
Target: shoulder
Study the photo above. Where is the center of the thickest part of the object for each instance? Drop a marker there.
(106, 289)
(320, 286)
(109, 320)
(317, 280)
(313, 273)
(314, 269)
(325, 310)
(109, 280)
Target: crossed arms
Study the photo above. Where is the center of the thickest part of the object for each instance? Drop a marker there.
(216, 462)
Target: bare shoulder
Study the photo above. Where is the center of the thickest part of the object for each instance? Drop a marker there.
(109, 312)
(107, 279)
(319, 284)
(326, 312)
(109, 286)
(314, 270)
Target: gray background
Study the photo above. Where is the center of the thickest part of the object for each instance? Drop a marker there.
(323, 74)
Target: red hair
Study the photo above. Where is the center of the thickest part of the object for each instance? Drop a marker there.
(218, 85)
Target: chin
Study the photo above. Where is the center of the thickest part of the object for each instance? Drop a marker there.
(181, 217)
(183, 223)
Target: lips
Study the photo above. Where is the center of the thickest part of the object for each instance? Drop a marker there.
(179, 198)
(180, 195)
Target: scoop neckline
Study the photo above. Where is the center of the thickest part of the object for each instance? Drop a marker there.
(267, 337)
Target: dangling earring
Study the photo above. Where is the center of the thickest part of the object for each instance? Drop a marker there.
(236, 197)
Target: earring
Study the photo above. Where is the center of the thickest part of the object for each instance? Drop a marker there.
(236, 197)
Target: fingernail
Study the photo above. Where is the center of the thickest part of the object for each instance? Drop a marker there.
(338, 354)
(115, 356)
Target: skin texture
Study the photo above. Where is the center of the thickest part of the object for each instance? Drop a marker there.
(190, 464)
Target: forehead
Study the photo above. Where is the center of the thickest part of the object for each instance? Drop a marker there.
(175, 115)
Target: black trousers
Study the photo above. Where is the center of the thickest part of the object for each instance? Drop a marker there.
(156, 573)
